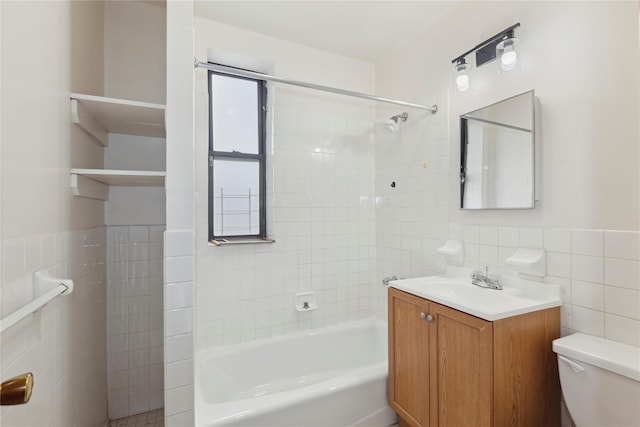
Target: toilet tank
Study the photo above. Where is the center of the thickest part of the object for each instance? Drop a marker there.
(600, 380)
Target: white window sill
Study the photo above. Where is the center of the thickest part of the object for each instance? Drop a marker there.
(240, 241)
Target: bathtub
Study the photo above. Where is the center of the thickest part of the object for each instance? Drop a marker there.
(331, 377)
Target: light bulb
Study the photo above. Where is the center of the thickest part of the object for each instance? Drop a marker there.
(509, 58)
(462, 82)
(506, 51)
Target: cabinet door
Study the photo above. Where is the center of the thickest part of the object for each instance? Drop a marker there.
(461, 369)
(408, 358)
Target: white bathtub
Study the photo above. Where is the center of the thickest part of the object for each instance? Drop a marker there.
(332, 377)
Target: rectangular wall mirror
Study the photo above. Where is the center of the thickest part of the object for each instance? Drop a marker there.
(497, 155)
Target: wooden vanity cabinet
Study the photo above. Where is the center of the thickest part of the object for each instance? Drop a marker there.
(449, 368)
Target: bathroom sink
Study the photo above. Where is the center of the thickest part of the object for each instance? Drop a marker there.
(455, 290)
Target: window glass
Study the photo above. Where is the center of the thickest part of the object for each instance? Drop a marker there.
(234, 107)
(236, 197)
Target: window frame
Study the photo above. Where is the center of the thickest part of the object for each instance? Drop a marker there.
(260, 157)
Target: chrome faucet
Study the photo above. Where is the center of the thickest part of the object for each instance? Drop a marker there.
(387, 279)
(485, 280)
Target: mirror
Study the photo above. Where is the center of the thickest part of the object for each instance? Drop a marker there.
(497, 155)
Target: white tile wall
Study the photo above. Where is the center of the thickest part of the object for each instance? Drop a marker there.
(135, 319)
(64, 344)
(320, 211)
(598, 270)
(411, 218)
(178, 330)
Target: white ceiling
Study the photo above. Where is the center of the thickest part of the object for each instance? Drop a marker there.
(365, 30)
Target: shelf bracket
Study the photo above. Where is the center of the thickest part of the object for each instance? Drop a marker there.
(82, 118)
(85, 187)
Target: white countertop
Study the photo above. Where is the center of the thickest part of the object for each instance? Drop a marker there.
(455, 290)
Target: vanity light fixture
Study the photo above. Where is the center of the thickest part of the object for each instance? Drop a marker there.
(461, 75)
(501, 46)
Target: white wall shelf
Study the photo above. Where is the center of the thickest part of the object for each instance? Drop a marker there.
(99, 116)
(94, 183)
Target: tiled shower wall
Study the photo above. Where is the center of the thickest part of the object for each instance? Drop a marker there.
(411, 196)
(63, 344)
(321, 214)
(135, 319)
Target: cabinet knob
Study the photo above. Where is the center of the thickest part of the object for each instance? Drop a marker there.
(427, 317)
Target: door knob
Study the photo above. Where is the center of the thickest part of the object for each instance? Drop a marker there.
(17, 390)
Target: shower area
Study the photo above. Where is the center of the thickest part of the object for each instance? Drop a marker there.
(341, 173)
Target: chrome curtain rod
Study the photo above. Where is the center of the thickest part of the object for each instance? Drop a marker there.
(254, 75)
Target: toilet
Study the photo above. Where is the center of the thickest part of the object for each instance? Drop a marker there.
(600, 380)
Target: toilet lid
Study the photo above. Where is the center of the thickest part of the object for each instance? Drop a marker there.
(613, 356)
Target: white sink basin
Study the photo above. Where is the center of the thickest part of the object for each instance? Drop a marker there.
(518, 296)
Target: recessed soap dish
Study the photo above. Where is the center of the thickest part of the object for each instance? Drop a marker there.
(528, 261)
(453, 250)
(306, 301)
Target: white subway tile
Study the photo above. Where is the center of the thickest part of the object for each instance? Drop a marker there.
(622, 302)
(156, 356)
(504, 253)
(13, 296)
(139, 402)
(587, 242)
(138, 251)
(179, 374)
(488, 255)
(179, 243)
(508, 236)
(178, 400)
(138, 358)
(180, 420)
(565, 316)
(118, 408)
(179, 295)
(178, 269)
(117, 235)
(622, 329)
(558, 264)
(33, 254)
(530, 237)
(624, 273)
(588, 321)
(156, 233)
(557, 240)
(622, 244)
(455, 232)
(471, 255)
(471, 233)
(587, 268)
(138, 234)
(565, 286)
(488, 235)
(48, 250)
(589, 295)
(179, 321)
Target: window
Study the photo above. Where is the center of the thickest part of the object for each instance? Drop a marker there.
(237, 117)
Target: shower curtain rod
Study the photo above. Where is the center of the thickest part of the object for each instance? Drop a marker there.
(254, 75)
